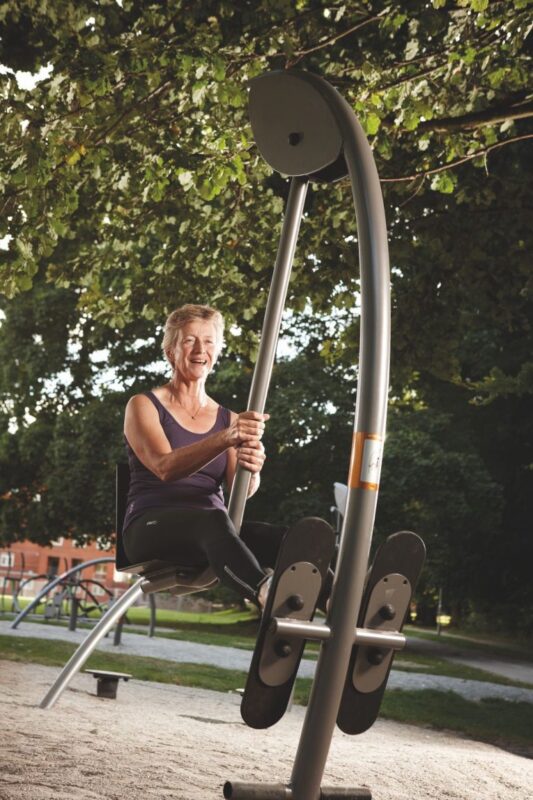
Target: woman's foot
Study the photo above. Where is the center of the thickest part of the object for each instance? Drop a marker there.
(264, 588)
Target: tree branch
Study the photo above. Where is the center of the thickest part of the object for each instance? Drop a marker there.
(459, 161)
(161, 88)
(407, 78)
(332, 39)
(477, 119)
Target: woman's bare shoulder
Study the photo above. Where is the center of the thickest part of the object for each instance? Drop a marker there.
(139, 402)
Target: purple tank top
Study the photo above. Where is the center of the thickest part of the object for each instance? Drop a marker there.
(200, 490)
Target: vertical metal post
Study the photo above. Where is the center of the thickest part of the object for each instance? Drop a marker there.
(439, 612)
(363, 482)
(73, 619)
(117, 636)
(153, 612)
(270, 331)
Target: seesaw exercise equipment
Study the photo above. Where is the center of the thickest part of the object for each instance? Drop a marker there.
(305, 130)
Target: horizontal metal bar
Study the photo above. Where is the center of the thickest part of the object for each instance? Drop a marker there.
(389, 639)
(256, 791)
(336, 793)
(320, 633)
(277, 791)
(303, 630)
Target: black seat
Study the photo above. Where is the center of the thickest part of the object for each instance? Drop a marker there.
(159, 575)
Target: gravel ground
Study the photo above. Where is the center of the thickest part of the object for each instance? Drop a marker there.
(233, 658)
(161, 741)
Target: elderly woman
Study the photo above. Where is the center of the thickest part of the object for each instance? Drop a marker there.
(182, 446)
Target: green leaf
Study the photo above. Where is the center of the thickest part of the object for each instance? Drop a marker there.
(372, 123)
(443, 183)
(24, 248)
(199, 92)
(25, 283)
(411, 49)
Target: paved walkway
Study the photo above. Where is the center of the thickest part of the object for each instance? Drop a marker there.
(234, 658)
(456, 651)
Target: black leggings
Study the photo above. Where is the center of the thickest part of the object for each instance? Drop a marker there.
(190, 537)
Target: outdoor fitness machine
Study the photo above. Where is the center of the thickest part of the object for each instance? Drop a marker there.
(304, 129)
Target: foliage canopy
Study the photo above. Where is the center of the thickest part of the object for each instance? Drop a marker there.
(130, 173)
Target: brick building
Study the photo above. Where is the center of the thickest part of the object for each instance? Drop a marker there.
(33, 566)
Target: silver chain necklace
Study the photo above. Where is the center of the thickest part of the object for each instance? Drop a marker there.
(192, 416)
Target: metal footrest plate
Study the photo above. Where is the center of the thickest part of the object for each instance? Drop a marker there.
(371, 665)
(280, 655)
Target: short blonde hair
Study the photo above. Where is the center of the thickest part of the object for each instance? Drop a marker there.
(187, 313)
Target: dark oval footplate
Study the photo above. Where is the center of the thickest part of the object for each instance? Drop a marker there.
(387, 606)
(386, 599)
(302, 564)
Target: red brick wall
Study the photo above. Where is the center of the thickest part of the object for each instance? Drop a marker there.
(29, 559)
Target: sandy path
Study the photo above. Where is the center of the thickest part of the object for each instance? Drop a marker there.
(161, 741)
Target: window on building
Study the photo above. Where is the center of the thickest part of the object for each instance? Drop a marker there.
(52, 566)
(7, 559)
(100, 572)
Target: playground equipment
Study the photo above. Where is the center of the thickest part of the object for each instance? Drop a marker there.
(306, 130)
(67, 587)
(107, 681)
(66, 582)
(12, 578)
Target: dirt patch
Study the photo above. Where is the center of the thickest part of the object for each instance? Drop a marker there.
(161, 741)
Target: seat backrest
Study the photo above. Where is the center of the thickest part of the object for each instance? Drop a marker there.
(340, 491)
(122, 483)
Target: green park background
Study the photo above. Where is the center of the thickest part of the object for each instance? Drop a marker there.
(130, 184)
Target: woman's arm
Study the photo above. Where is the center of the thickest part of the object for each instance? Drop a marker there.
(149, 443)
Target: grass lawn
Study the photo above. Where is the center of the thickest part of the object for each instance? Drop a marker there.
(496, 644)
(503, 723)
(236, 628)
(140, 615)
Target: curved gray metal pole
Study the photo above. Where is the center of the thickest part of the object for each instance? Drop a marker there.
(53, 583)
(78, 659)
(369, 431)
(270, 331)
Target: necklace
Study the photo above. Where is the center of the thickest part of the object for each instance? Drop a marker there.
(192, 416)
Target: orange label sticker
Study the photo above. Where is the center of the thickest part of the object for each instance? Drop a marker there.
(365, 465)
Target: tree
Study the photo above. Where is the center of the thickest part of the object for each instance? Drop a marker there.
(132, 183)
(436, 483)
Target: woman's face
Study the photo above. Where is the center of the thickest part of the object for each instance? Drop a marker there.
(196, 350)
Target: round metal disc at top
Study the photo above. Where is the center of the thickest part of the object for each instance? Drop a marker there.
(293, 125)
